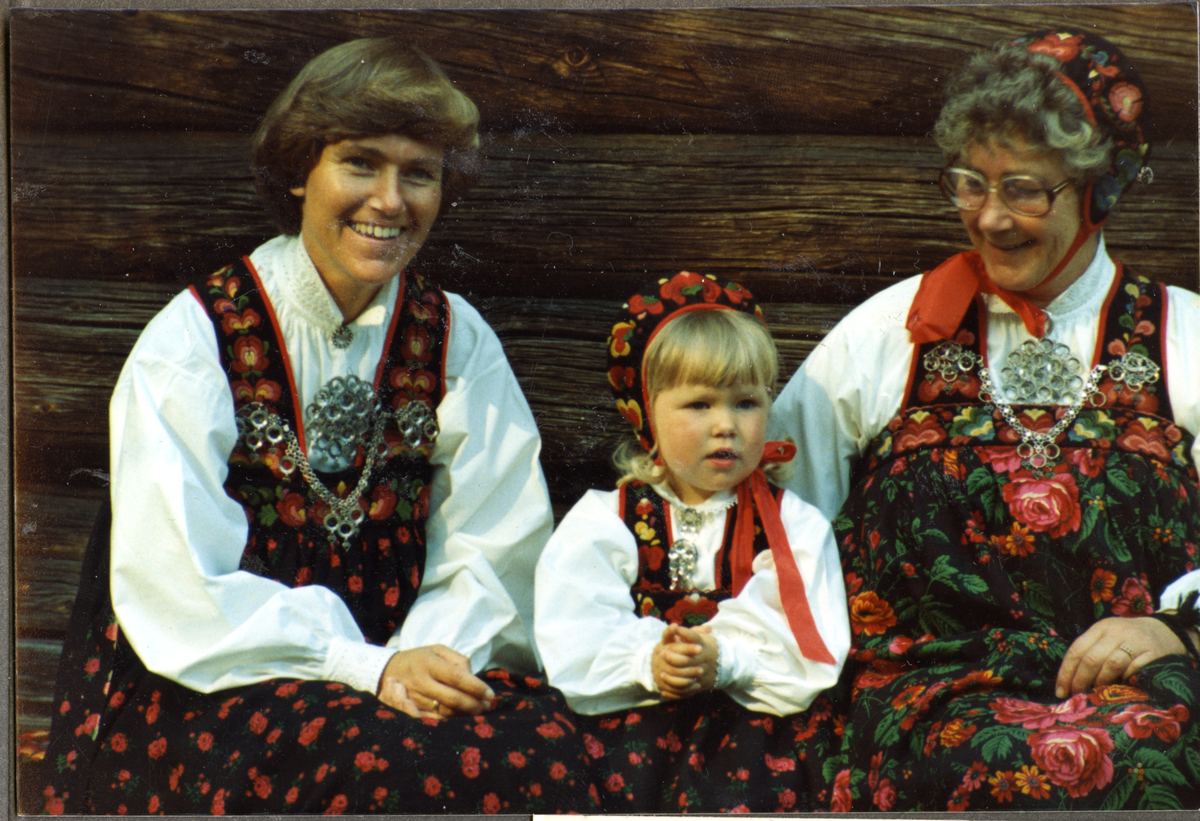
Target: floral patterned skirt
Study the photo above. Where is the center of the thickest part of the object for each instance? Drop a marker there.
(322, 747)
(968, 576)
(703, 754)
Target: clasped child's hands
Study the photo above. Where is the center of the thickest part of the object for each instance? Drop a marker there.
(684, 662)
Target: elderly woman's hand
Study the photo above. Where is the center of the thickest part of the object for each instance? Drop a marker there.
(1113, 649)
(433, 682)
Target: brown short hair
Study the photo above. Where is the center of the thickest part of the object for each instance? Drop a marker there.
(363, 88)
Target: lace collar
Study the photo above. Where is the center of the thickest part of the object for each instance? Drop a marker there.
(717, 503)
(305, 292)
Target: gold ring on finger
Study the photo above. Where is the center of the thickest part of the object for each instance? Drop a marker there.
(1126, 650)
(436, 704)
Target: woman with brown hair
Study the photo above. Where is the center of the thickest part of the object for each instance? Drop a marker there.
(326, 505)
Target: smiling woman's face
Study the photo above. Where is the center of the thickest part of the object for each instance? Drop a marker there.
(1019, 252)
(368, 206)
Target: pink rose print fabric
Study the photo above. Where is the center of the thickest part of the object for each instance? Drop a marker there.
(969, 574)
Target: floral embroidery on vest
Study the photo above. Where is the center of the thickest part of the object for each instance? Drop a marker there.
(288, 540)
(645, 514)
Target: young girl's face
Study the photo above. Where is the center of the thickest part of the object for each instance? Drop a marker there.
(709, 438)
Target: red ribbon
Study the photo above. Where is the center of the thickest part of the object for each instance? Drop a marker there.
(946, 292)
(755, 500)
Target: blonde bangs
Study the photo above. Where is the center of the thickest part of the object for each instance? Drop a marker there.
(721, 348)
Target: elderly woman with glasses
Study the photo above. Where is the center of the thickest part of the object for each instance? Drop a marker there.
(1007, 447)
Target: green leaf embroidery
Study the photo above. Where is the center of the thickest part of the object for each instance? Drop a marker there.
(1158, 768)
(1160, 797)
(1119, 793)
(1039, 598)
(1176, 682)
(997, 741)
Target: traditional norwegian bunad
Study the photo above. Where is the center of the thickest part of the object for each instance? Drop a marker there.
(266, 589)
(622, 564)
(991, 521)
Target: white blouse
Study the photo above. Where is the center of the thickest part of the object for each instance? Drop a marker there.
(177, 537)
(597, 650)
(852, 384)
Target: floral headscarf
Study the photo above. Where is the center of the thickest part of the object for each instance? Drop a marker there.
(1114, 98)
(640, 320)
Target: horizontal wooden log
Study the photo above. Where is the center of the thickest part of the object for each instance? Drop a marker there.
(798, 219)
(37, 665)
(812, 70)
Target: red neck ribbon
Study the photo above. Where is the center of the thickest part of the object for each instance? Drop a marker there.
(946, 292)
(755, 501)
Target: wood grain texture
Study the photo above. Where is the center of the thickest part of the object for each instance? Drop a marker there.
(815, 70)
(796, 217)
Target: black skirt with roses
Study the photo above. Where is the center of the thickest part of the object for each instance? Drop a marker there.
(127, 741)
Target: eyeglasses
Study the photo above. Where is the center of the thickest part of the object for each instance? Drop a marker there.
(968, 191)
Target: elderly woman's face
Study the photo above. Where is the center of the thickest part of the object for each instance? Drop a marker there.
(368, 206)
(1019, 252)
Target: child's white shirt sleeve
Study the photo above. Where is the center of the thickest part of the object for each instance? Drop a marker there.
(597, 650)
(768, 673)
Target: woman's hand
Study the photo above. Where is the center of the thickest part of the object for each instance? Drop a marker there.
(1113, 649)
(685, 661)
(433, 682)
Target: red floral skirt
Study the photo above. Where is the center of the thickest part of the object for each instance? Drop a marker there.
(322, 747)
(705, 754)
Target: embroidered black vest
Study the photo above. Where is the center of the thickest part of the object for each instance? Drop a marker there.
(378, 571)
(644, 512)
(1133, 320)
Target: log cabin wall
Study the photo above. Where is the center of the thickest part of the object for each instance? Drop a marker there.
(786, 148)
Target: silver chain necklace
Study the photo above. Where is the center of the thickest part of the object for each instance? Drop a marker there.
(684, 554)
(1040, 372)
(343, 412)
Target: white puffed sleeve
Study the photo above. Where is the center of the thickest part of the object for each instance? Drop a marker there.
(177, 537)
(1183, 364)
(489, 508)
(597, 649)
(844, 393)
(779, 679)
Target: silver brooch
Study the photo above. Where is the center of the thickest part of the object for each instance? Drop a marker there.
(1042, 372)
(345, 417)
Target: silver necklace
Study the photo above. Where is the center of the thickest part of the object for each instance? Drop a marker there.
(1042, 372)
(684, 554)
(343, 415)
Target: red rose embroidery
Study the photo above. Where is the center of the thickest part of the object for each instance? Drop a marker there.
(1142, 722)
(1063, 49)
(1074, 758)
(841, 792)
(1047, 505)
(690, 611)
(310, 731)
(291, 509)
